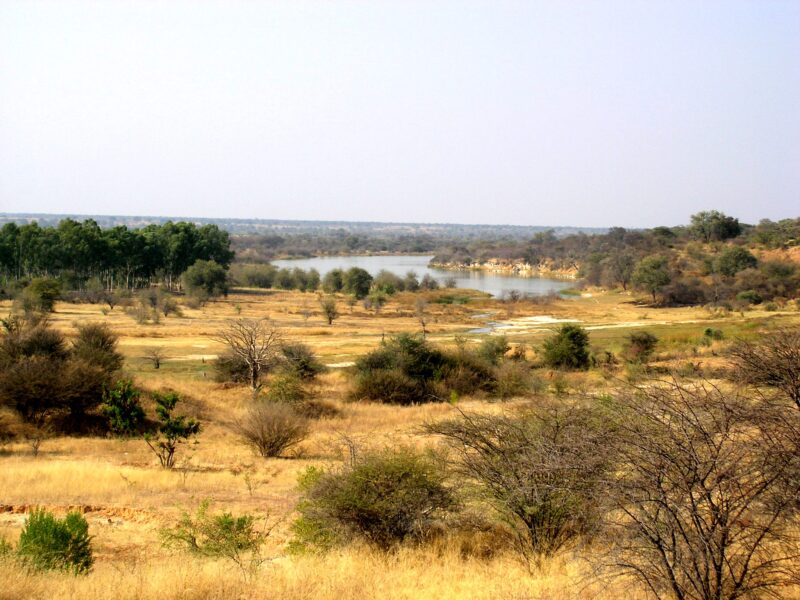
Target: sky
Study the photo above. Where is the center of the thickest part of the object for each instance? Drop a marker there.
(586, 113)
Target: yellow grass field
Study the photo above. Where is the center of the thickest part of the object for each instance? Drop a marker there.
(127, 497)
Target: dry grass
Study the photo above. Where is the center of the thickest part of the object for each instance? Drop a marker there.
(127, 498)
(350, 575)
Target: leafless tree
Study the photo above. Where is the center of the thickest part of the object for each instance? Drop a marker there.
(705, 492)
(541, 470)
(773, 362)
(155, 356)
(255, 342)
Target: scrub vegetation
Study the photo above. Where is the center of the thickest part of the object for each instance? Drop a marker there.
(239, 441)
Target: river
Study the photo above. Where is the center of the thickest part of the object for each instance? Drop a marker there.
(485, 281)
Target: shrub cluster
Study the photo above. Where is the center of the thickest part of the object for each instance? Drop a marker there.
(50, 383)
(406, 369)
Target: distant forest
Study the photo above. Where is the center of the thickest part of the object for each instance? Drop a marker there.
(714, 260)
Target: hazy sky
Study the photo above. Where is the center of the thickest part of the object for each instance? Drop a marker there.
(563, 112)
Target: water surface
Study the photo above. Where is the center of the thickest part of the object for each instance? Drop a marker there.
(399, 264)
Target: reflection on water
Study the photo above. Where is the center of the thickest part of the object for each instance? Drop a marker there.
(493, 283)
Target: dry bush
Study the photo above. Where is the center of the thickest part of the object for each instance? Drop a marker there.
(705, 492)
(541, 470)
(271, 428)
(773, 362)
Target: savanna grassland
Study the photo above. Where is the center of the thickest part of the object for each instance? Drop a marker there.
(128, 498)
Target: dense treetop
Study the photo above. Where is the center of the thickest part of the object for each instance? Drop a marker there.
(120, 257)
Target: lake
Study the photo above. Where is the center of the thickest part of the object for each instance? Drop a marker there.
(485, 281)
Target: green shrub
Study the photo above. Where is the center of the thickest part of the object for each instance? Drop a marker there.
(750, 296)
(48, 543)
(206, 279)
(122, 408)
(403, 370)
(567, 349)
(391, 386)
(286, 388)
(236, 538)
(40, 295)
(230, 367)
(493, 348)
(173, 430)
(406, 369)
(640, 346)
(383, 498)
(301, 360)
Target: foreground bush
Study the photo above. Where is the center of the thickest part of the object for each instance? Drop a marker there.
(236, 538)
(705, 492)
(271, 428)
(383, 498)
(541, 470)
(48, 543)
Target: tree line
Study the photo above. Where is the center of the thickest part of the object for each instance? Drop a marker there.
(709, 261)
(119, 257)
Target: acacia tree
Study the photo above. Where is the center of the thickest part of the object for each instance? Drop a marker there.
(705, 492)
(541, 470)
(652, 274)
(774, 362)
(255, 343)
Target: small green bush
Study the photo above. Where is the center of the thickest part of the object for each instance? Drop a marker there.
(231, 368)
(40, 295)
(301, 360)
(493, 349)
(48, 543)
(122, 408)
(173, 430)
(640, 347)
(568, 348)
(750, 296)
(383, 498)
(236, 538)
(286, 388)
